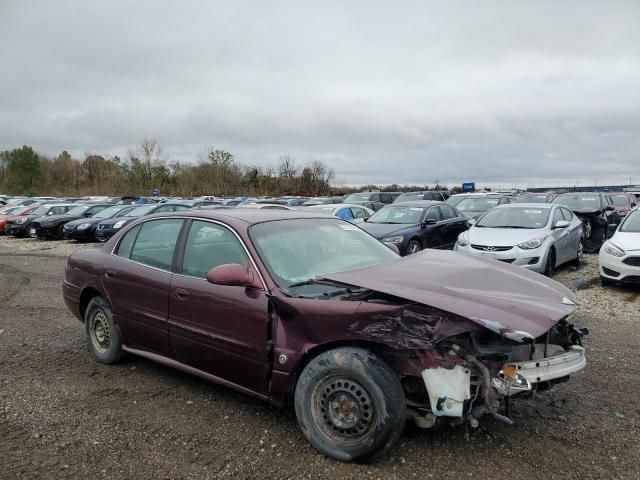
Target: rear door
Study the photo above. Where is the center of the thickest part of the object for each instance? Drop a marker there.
(452, 225)
(560, 236)
(575, 231)
(137, 278)
(222, 330)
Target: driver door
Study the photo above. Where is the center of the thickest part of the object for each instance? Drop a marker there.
(219, 329)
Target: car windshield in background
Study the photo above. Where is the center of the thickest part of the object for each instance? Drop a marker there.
(38, 212)
(107, 212)
(78, 211)
(531, 199)
(358, 197)
(631, 223)
(620, 200)
(403, 215)
(515, 217)
(296, 251)
(580, 202)
(140, 211)
(407, 197)
(478, 204)
(322, 209)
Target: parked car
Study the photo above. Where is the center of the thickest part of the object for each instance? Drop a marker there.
(261, 206)
(52, 226)
(21, 202)
(381, 197)
(458, 197)
(597, 213)
(474, 207)
(346, 211)
(19, 226)
(316, 313)
(318, 201)
(5, 213)
(375, 206)
(543, 197)
(435, 195)
(413, 226)
(623, 202)
(84, 229)
(620, 256)
(536, 236)
(292, 201)
(108, 228)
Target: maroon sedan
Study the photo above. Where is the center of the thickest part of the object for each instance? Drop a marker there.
(297, 308)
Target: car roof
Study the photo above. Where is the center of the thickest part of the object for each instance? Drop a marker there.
(419, 203)
(248, 215)
(529, 205)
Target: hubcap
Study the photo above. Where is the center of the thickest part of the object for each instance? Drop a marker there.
(343, 410)
(580, 253)
(100, 333)
(414, 248)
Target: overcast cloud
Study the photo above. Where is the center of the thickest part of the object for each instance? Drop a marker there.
(408, 92)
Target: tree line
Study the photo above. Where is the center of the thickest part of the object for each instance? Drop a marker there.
(23, 171)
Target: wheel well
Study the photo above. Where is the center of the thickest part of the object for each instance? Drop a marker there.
(310, 354)
(85, 297)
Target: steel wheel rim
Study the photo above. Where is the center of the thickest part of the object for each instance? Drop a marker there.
(100, 331)
(343, 410)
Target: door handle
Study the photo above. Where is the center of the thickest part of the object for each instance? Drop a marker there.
(180, 293)
(108, 273)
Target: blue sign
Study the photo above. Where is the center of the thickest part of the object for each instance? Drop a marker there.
(468, 187)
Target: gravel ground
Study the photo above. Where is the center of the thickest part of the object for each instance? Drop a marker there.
(62, 415)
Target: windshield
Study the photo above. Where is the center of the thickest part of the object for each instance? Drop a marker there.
(478, 204)
(298, 250)
(631, 223)
(579, 202)
(455, 200)
(140, 211)
(78, 211)
(514, 217)
(107, 212)
(358, 197)
(531, 199)
(321, 209)
(391, 214)
(40, 211)
(620, 200)
(407, 197)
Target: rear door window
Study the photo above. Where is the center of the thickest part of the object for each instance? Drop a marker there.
(156, 242)
(210, 245)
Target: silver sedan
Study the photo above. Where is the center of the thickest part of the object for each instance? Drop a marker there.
(536, 236)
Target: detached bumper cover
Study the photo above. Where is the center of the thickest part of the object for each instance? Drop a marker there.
(552, 368)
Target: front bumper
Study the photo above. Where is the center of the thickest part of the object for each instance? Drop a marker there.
(77, 234)
(14, 229)
(534, 259)
(105, 234)
(40, 231)
(615, 269)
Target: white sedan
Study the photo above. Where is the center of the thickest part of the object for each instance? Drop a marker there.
(536, 236)
(620, 255)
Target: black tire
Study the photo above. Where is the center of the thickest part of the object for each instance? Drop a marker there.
(606, 282)
(413, 247)
(580, 258)
(550, 266)
(60, 231)
(102, 335)
(350, 405)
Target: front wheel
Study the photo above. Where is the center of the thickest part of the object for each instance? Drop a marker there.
(350, 405)
(579, 254)
(413, 247)
(551, 264)
(102, 336)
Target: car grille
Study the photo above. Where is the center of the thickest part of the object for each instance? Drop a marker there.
(507, 260)
(633, 261)
(102, 227)
(490, 248)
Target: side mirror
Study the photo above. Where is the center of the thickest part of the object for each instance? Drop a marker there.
(562, 224)
(429, 221)
(87, 214)
(233, 275)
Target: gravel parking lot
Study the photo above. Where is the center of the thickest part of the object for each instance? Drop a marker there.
(62, 415)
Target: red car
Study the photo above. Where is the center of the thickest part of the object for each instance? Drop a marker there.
(623, 202)
(7, 212)
(303, 309)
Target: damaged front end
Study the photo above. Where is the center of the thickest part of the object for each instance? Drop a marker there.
(454, 367)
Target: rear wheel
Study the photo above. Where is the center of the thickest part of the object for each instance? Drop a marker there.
(102, 336)
(350, 405)
(60, 231)
(551, 263)
(413, 247)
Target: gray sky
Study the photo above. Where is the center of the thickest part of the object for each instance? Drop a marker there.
(408, 92)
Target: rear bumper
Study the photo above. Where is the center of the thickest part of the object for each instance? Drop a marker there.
(48, 232)
(16, 230)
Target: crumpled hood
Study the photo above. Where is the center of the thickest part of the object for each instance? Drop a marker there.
(502, 237)
(506, 299)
